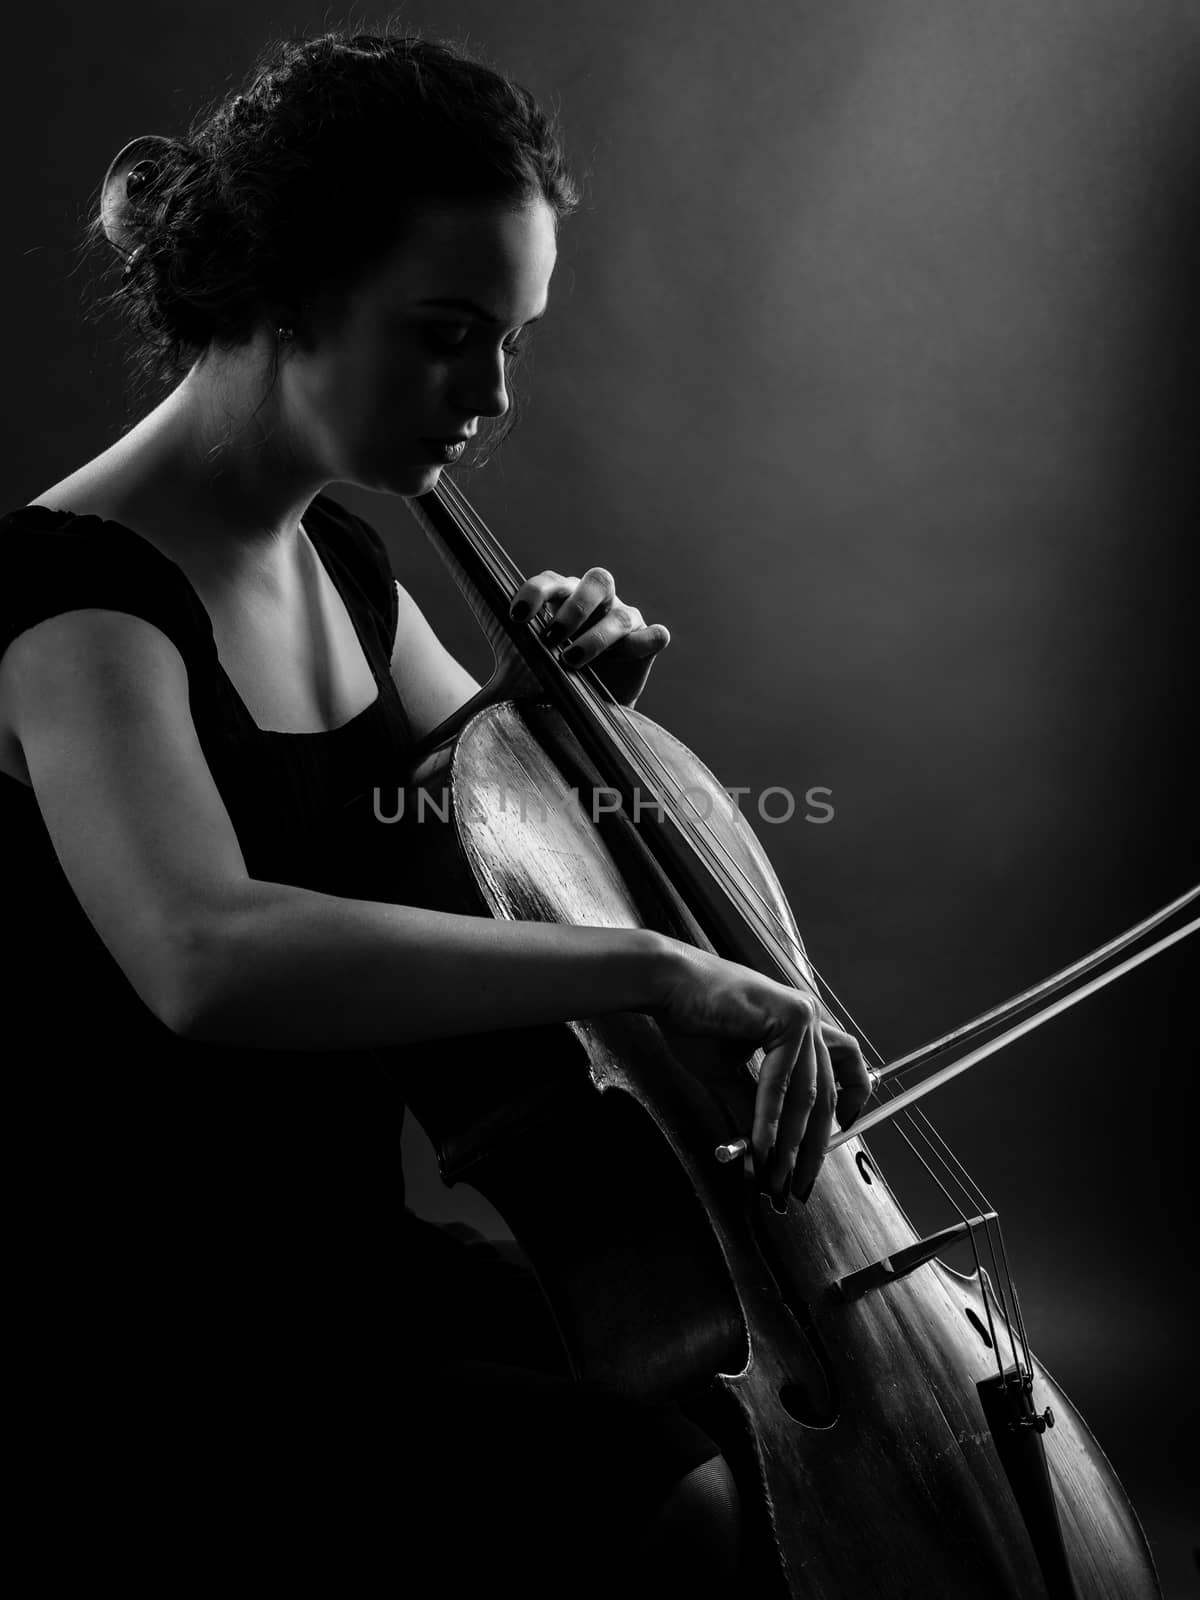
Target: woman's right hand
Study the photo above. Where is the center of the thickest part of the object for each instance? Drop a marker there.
(811, 1070)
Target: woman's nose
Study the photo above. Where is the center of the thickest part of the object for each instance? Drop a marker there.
(483, 390)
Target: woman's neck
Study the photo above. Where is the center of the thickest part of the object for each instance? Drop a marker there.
(219, 443)
(210, 474)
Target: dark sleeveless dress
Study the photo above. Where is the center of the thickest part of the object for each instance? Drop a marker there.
(240, 1358)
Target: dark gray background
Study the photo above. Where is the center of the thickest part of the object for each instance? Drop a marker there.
(872, 369)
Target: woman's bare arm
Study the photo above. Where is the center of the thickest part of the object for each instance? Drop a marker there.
(288, 968)
(99, 703)
(430, 682)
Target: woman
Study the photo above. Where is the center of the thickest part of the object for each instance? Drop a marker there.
(232, 1339)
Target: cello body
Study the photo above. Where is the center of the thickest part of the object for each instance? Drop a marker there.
(879, 1449)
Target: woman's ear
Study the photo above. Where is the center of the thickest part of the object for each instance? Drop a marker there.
(117, 199)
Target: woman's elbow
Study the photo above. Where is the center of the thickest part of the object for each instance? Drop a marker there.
(191, 963)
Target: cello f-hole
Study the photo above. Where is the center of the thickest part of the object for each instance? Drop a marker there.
(977, 1323)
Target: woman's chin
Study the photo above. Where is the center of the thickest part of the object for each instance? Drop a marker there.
(426, 478)
(403, 478)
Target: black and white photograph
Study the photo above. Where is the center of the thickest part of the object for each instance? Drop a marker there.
(598, 799)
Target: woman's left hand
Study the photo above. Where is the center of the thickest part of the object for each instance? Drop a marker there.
(596, 628)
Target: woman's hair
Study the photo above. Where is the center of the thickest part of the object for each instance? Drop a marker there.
(294, 187)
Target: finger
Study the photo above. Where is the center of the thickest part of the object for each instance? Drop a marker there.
(622, 631)
(593, 594)
(850, 1073)
(774, 1075)
(614, 629)
(544, 588)
(650, 640)
(803, 1159)
(797, 1111)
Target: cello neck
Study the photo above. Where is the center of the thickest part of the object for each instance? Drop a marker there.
(738, 926)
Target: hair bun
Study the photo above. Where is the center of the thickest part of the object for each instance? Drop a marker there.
(141, 176)
(272, 200)
(132, 174)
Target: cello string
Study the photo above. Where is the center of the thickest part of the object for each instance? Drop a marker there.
(910, 1131)
(941, 1152)
(1006, 1287)
(693, 834)
(508, 579)
(1024, 1337)
(963, 1179)
(514, 582)
(702, 839)
(752, 909)
(971, 1228)
(978, 1025)
(780, 938)
(983, 1206)
(946, 1184)
(502, 568)
(625, 737)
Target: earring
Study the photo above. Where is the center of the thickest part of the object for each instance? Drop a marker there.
(132, 261)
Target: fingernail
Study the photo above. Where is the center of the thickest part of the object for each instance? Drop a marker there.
(520, 611)
(803, 1198)
(573, 655)
(779, 1203)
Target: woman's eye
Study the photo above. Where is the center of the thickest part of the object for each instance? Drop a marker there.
(446, 338)
(449, 339)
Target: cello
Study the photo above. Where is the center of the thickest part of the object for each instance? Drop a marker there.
(830, 1353)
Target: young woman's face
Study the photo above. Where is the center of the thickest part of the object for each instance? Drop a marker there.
(420, 349)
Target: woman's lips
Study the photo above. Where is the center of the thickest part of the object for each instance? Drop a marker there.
(445, 450)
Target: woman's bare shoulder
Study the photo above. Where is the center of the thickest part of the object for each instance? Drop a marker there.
(86, 492)
(121, 489)
(92, 490)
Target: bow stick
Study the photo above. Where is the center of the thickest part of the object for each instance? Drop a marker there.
(908, 1097)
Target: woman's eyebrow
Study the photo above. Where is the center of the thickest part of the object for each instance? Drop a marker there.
(476, 311)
